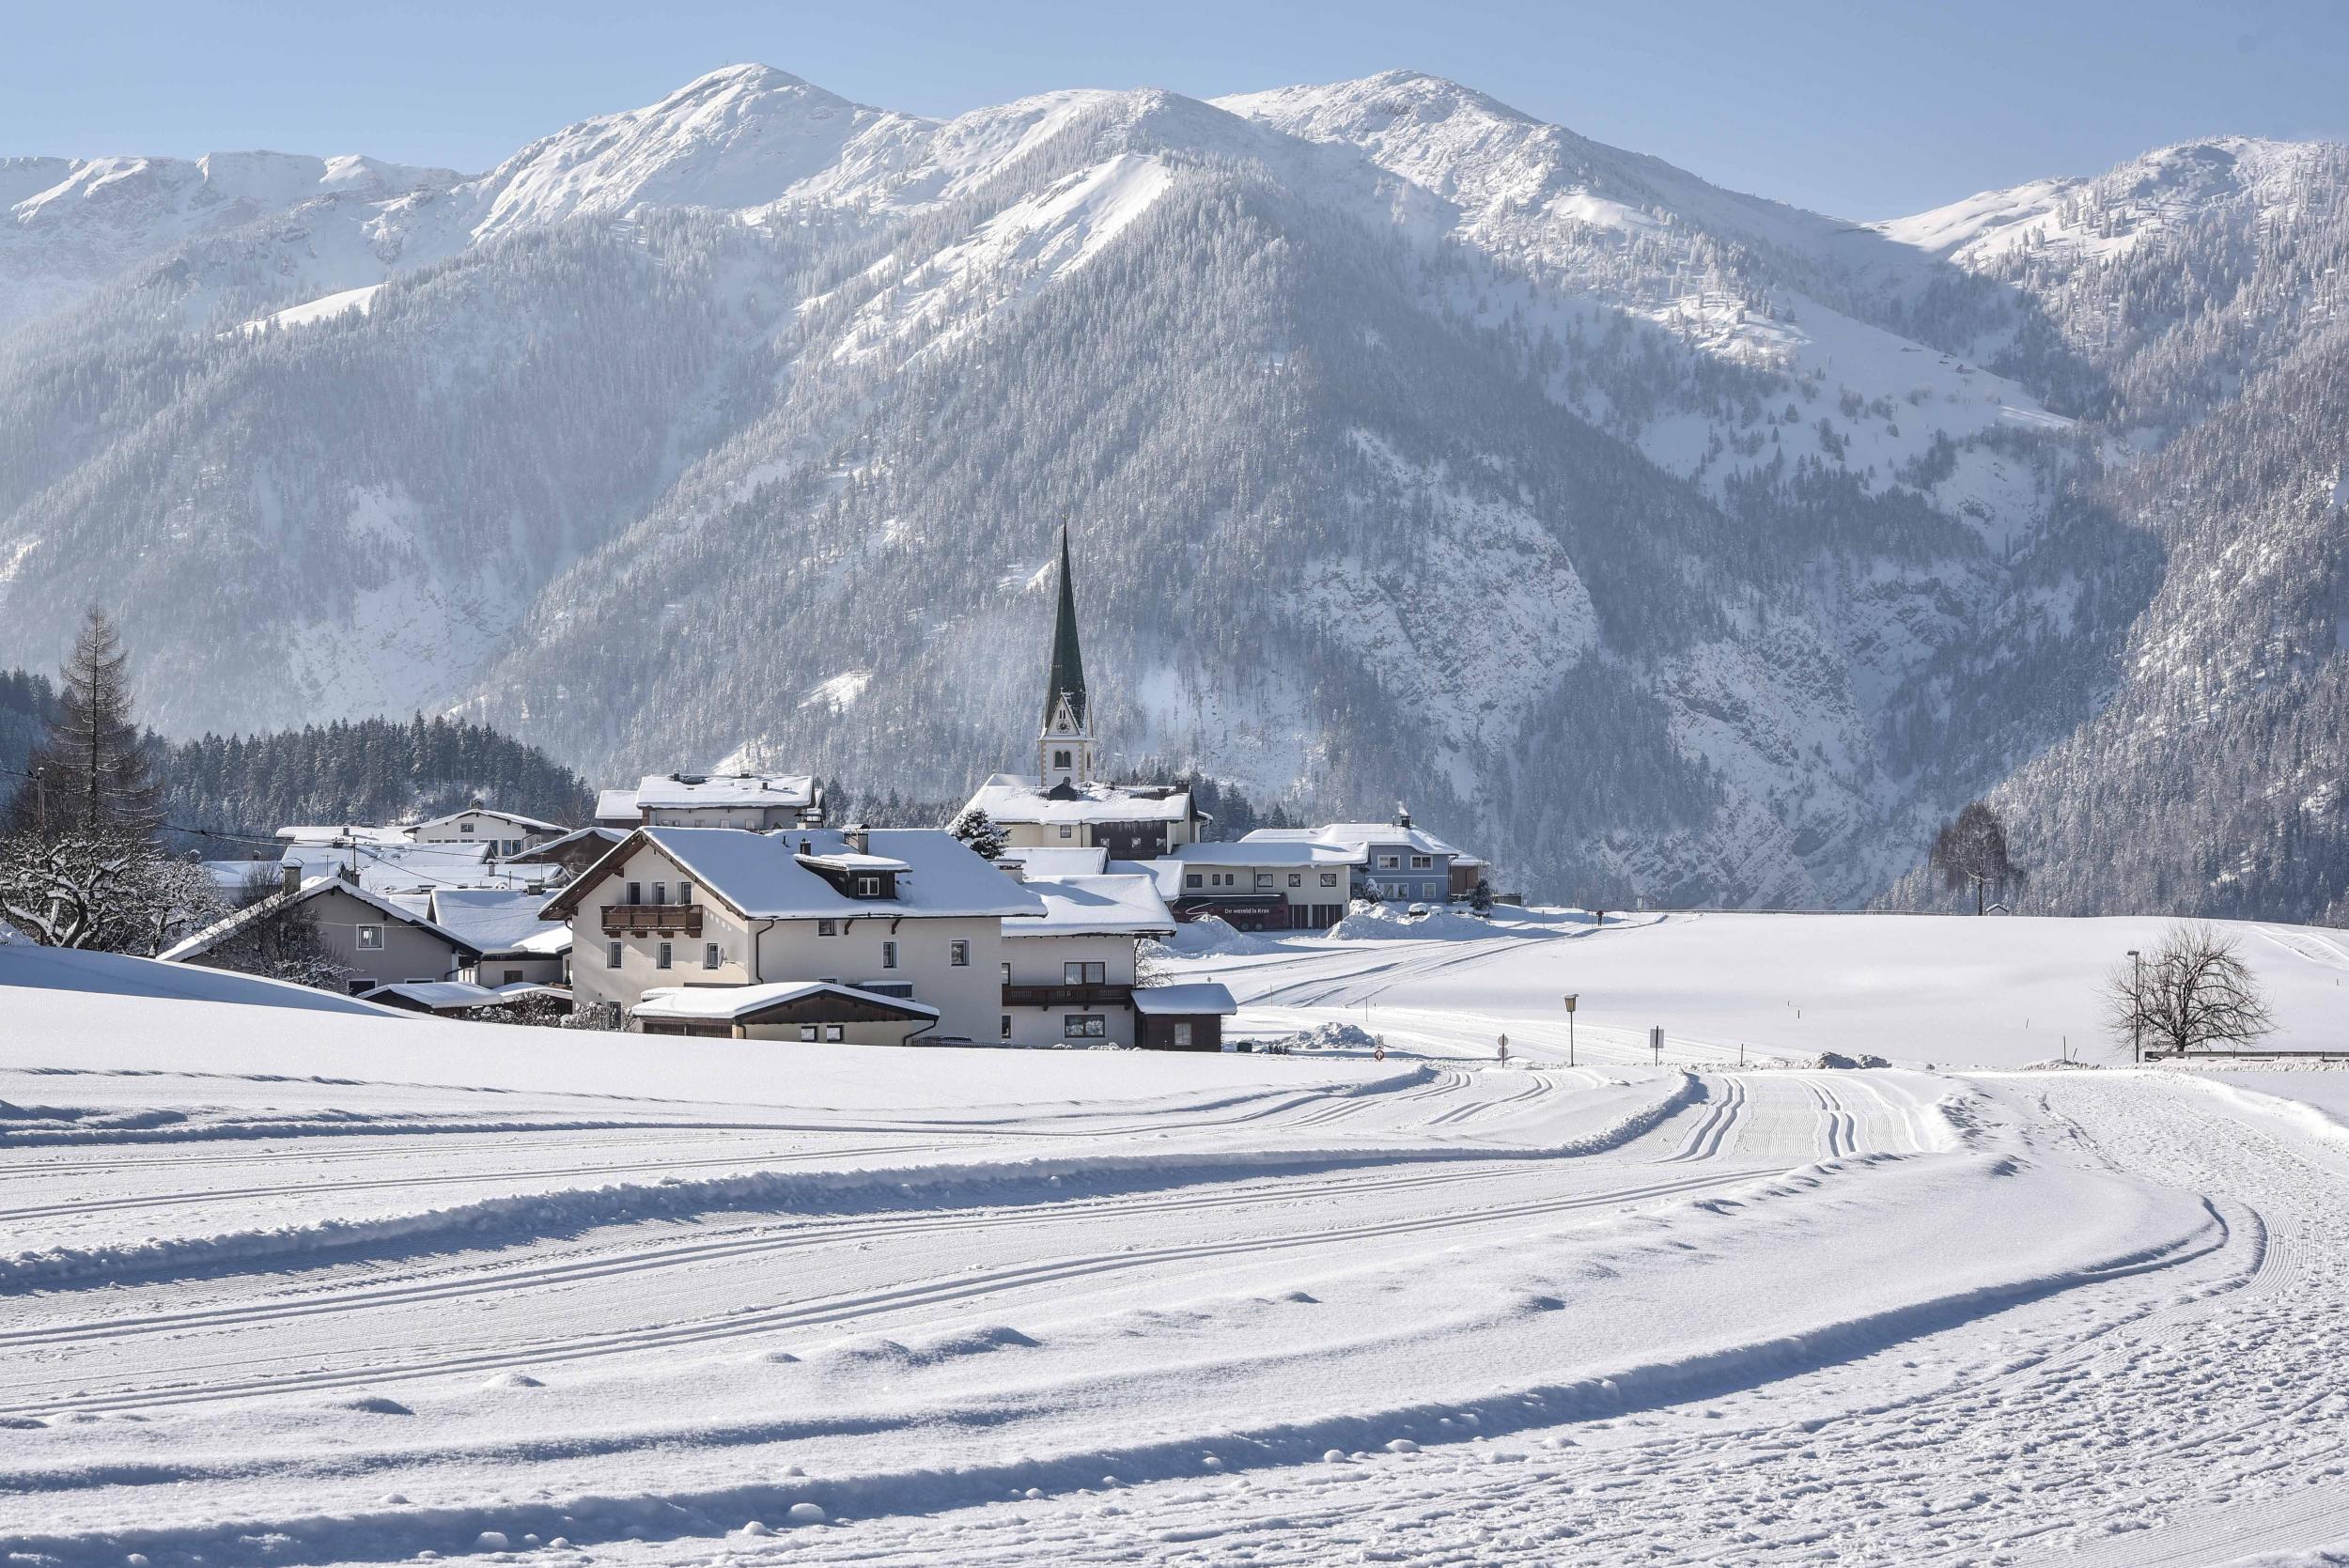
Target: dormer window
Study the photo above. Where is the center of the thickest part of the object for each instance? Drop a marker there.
(868, 886)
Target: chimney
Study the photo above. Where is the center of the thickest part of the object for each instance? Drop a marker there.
(1402, 816)
(289, 877)
(807, 846)
(857, 839)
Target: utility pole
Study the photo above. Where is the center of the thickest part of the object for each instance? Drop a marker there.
(1570, 1000)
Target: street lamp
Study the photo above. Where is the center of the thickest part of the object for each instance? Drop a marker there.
(1570, 1000)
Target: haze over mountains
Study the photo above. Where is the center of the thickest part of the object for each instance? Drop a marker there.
(1673, 542)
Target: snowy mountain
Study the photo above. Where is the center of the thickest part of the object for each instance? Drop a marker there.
(1674, 542)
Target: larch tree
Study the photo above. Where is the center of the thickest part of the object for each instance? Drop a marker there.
(89, 776)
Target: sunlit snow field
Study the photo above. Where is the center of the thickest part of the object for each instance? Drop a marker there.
(290, 1280)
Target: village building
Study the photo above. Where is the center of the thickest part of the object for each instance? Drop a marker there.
(1397, 859)
(560, 859)
(879, 938)
(1069, 977)
(507, 833)
(758, 801)
(405, 866)
(1260, 885)
(372, 938)
(513, 945)
(1064, 805)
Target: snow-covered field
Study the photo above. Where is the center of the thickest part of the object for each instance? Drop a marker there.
(289, 1280)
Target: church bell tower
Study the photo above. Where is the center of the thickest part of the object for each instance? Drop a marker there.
(1064, 751)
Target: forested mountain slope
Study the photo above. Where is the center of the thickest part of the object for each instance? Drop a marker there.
(1673, 543)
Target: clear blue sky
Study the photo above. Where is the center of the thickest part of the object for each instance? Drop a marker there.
(1863, 110)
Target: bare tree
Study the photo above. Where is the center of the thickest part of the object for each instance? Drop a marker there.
(112, 891)
(2192, 992)
(1971, 851)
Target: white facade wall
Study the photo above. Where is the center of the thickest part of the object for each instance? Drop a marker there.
(969, 996)
(476, 827)
(1043, 961)
(1309, 889)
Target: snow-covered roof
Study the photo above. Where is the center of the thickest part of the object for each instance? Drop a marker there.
(549, 851)
(1198, 996)
(495, 920)
(1018, 798)
(851, 861)
(203, 942)
(406, 867)
(552, 942)
(343, 832)
(615, 805)
(655, 791)
(735, 1002)
(1354, 835)
(1261, 851)
(438, 996)
(1095, 905)
(1056, 859)
(534, 824)
(232, 875)
(760, 875)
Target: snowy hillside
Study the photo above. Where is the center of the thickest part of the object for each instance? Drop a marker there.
(326, 1284)
(1670, 542)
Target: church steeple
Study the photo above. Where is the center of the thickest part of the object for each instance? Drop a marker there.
(1065, 753)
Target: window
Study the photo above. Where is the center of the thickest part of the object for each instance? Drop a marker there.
(1083, 1026)
(1074, 973)
(1192, 879)
(836, 1032)
(1297, 879)
(1067, 832)
(1062, 759)
(1182, 1036)
(807, 1032)
(1007, 1026)
(661, 893)
(668, 952)
(612, 955)
(465, 827)
(1329, 878)
(359, 987)
(684, 893)
(370, 939)
(1264, 880)
(1423, 862)
(513, 977)
(958, 954)
(636, 893)
(1007, 972)
(868, 886)
(888, 956)
(828, 928)
(1389, 863)
(712, 957)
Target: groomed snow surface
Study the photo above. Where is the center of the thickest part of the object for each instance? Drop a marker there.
(290, 1280)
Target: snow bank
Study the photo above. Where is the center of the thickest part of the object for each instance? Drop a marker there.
(1385, 922)
(1209, 936)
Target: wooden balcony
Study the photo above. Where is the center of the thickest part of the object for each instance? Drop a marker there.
(651, 918)
(1068, 996)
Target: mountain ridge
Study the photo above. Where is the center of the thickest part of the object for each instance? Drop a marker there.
(1775, 536)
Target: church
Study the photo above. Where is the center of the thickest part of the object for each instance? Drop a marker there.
(1062, 805)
